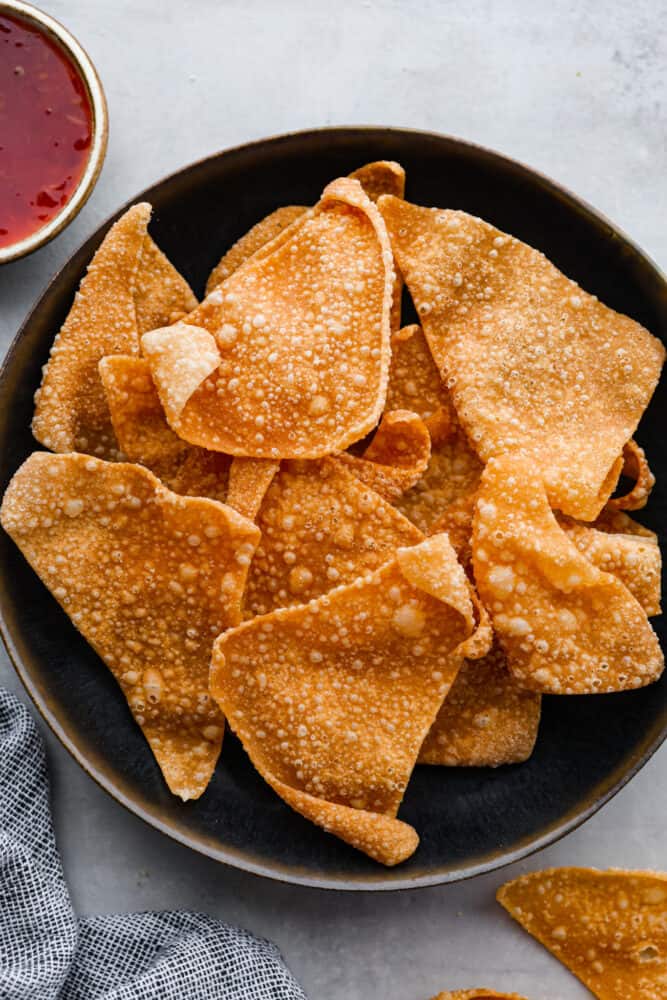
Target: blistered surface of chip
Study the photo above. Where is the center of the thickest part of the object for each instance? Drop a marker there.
(302, 337)
(608, 927)
(320, 528)
(566, 626)
(333, 699)
(150, 579)
(532, 361)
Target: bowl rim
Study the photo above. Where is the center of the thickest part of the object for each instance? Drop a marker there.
(277, 871)
(100, 127)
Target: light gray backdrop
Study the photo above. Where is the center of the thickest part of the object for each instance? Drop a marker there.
(578, 90)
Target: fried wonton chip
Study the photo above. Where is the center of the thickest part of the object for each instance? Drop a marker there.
(129, 284)
(289, 356)
(396, 457)
(532, 361)
(257, 237)
(635, 467)
(332, 699)
(608, 927)
(452, 474)
(415, 383)
(634, 559)
(321, 528)
(486, 719)
(481, 994)
(566, 626)
(144, 435)
(249, 479)
(161, 295)
(149, 578)
(381, 177)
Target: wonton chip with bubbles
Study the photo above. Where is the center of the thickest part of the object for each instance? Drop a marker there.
(415, 383)
(451, 475)
(533, 363)
(635, 467)
(150, 579)
(289, 357)
(320, 528)
(486, 719)
(566, 626)
(397, 456)
(129, 288)
(332, 699)
(481, 994)
(608, 927)
(377, 178)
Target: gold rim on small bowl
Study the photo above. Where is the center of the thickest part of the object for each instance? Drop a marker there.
(100, 127)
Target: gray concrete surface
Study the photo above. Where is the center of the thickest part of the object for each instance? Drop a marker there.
(576, 90)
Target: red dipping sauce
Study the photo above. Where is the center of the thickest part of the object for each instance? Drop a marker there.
(46, 126)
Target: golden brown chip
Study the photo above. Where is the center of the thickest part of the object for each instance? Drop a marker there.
(608, 927)
(532, 361)
(634, 559)
(144, 435)
(456, 520)
(71, 413)
(137, 416)
(296, 357)
(486, 719)
(396, 457)
(635, 467)
(260, 234)
(332, 699)
(414, 380)
(566, 626)
(129, 283)
(321, 528)
(161, 293)
(249, 479)
(618, 522)
(481, 994)
(452, 474)
(381, 177)
(149, 578)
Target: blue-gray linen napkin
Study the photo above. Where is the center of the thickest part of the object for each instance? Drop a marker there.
(47, 953)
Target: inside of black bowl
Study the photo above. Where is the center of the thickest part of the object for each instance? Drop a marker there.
(469, 820)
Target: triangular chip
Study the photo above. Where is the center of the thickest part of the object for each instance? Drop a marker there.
(129, 284)
(414, 380)
(566, 626)
(321, 528)
(144, 435)
(161, 295)
(481, 994)
(635, 467)
(149, 578)
(378, 178)
(634, 559)
(608, 927)
(486, 719)
(532, 361)
(332, 699)
(257, 237)
(249, 479)
(302, 335)
(452, 474)
(397, 456)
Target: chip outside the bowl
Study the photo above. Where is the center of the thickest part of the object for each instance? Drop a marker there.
(332, 699)
(150, 579)
(533, 362)
(479, 994)
(294, 344)
(608, 927)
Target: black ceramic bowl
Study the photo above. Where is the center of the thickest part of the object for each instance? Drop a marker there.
(469, 820)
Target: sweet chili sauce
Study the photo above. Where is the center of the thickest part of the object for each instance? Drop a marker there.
(45, 129)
